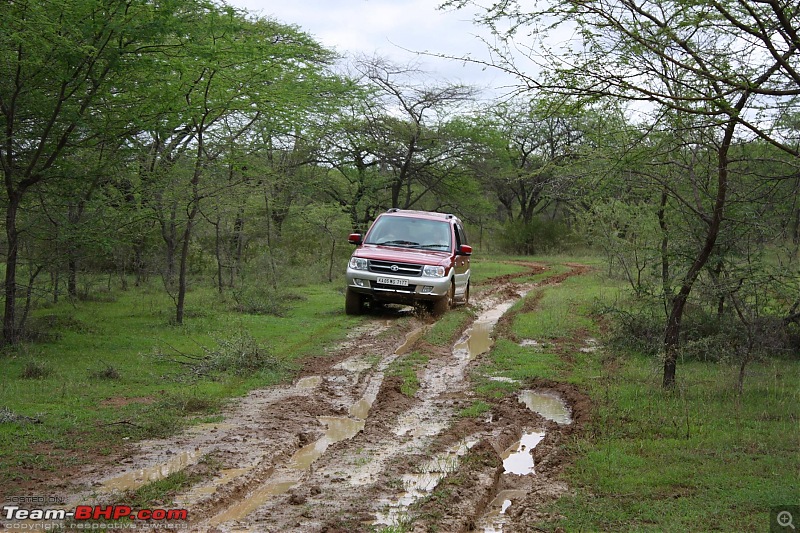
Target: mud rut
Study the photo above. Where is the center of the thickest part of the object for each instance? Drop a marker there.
(343, 449)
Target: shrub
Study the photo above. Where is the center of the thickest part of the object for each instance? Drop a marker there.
(109, 372)
(35, 370)
(536, 237)
(240, 355)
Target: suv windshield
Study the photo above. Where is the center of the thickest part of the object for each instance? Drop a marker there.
(410, 233)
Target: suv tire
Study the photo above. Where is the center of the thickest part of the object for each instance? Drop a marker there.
(353, 303)
(442, 305)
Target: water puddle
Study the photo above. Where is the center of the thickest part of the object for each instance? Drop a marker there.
(361, 408)
(356, 365)
(495, 517)
(412, 337)
(199, 492)
(518, 458)
(135, 479)
(478, 339)
(502, 379)
(420, 484)
(307, 383)
(254, 501)
(339, 429)
(548, 405)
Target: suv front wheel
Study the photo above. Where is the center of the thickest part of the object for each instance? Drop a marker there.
(440, 306)
(353, 302)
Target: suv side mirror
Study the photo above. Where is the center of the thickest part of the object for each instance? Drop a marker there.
(354, 238)
(464, 249)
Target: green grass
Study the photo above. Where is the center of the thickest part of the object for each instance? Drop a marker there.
(476, 409)
(406, 367)
(698, 458)
(483, 269)
(110, 370)
(446, 330)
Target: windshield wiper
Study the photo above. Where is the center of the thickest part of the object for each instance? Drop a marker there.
(400, 242)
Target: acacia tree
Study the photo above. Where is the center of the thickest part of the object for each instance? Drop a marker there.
(529, 145)
(60, 63)
(225, 76)
(730, 65)
(411, 138)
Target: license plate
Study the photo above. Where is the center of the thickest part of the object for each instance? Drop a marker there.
(393, 281)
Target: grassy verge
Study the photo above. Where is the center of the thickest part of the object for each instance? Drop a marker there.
(698, 458)
(107, 372)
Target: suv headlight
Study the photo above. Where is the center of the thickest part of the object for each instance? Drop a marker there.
(433, 271)
(358, 263)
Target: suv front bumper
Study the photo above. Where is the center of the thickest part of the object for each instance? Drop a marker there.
(397, 289)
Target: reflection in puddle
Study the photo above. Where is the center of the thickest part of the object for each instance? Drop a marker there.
(420, 422)
(495, 518)
(338, 429)
(412, 337)
(309, 382)
(478, 339)
(361, 408)
(518, 458)
(355, 365)
(419, 485)
(549, 405)
(254, 501)
(207, 489)
(135, 479)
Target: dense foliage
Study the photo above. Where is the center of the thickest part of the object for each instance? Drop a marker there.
(191, 142)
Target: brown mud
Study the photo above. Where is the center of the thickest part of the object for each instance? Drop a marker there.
(343, 449)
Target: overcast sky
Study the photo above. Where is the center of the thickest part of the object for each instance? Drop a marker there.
(389, 28)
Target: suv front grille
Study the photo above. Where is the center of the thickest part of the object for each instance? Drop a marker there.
(393, 268)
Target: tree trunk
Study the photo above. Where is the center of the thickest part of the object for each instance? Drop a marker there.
(73, 216)
(72, 276)
(218, 254)
(238, 246)
(672, 338)
(12, 238)
(673, 329)
(179, 306)
(187, 232)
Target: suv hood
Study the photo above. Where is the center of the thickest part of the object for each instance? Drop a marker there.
(403, 255)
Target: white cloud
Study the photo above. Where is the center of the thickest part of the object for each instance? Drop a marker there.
(390, 28)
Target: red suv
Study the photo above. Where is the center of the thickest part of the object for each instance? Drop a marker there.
(410, 257)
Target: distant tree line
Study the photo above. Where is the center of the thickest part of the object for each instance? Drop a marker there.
(185, 138)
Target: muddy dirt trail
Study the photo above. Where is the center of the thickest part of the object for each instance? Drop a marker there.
(343, 449)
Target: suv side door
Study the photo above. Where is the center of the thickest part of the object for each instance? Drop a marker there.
(462, 266)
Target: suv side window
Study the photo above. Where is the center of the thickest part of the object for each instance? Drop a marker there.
(461, 237)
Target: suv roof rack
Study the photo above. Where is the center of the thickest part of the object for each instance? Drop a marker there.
(448, 216)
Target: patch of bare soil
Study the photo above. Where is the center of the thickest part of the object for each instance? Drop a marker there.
(343, 449)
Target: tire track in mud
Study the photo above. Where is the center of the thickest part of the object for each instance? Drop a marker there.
(343, 448)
